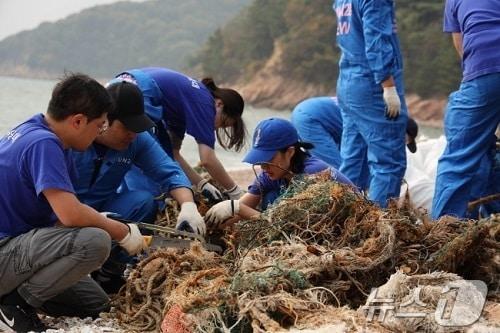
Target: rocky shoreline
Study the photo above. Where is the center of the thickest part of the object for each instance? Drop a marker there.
(274, 93)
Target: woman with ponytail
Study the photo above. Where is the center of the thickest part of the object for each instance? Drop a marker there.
(277, 148)
(178, 105)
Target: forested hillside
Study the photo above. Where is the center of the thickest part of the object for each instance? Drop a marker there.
(106, 39)
(275, 52)
(295, 40)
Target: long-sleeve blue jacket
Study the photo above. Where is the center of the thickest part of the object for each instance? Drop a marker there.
(367, 36)
(144, 152)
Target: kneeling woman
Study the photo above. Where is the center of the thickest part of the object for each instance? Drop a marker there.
(276, 147)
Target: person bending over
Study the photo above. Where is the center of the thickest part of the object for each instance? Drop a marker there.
(181, 105)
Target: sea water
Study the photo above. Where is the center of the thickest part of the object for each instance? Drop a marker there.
(22, 98)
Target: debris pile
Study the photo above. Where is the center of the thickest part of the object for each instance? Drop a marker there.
(311, 258)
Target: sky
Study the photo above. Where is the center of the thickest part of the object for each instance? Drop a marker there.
(19, 15)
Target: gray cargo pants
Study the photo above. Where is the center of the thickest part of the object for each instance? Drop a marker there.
(50, 267)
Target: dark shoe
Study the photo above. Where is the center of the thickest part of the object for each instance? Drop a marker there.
(111, 275)
(109, 282)
(16, 318)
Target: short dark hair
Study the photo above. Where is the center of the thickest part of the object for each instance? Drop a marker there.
(297, 164)
(78, 93)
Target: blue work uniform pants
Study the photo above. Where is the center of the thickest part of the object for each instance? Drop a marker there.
(367, 135)
(472, 116)
(132, 205)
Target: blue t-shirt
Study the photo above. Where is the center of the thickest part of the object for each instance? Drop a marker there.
(188, 106)
(479, 23)
(324, 110)
(144, 152)
(270, 190)
(32, 160)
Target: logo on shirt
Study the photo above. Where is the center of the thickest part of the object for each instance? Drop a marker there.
(127, 78)
(13, 135)
(123, 160)
(343, 25)
(194, 83)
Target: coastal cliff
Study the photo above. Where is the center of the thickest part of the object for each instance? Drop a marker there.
(271, 88)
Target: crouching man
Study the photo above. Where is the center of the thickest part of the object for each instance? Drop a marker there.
(49, 240)
(103, 166)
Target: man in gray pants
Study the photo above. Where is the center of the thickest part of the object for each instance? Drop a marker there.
(49, 241)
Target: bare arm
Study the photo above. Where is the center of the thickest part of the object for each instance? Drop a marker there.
(458, 43)
(247, 212)
(248, 203)
(389, 82)
(193, 176)
(182, 195)
(210, 162)
(72, 213)
(214, 167)
(250, 200)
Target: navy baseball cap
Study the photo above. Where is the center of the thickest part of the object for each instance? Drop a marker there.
(270, 136)
(129, 106)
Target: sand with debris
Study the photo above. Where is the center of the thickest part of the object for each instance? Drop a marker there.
(308, 264)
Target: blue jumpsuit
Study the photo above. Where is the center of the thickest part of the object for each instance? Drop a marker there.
(366, 35)
(318, 120)
(178, 105)
(100, 175)
(473, 112)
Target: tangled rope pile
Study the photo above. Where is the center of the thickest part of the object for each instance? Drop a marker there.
(321, 247)
(141, 303)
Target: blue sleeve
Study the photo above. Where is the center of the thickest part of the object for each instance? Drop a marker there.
(156, 164)
(70, 162)
(450, 21)
(254, 188)
(199, 109)
(188, 106)
(261, 185)
(200, 122)
(45, 163)
(378, 25)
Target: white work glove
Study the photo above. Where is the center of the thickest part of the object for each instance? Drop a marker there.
(209, 191)
(392, 103)
(235, 193)
(190, 220)
(221, 212)
(133, 243)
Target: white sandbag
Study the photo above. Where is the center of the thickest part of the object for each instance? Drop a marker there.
(420, 173)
